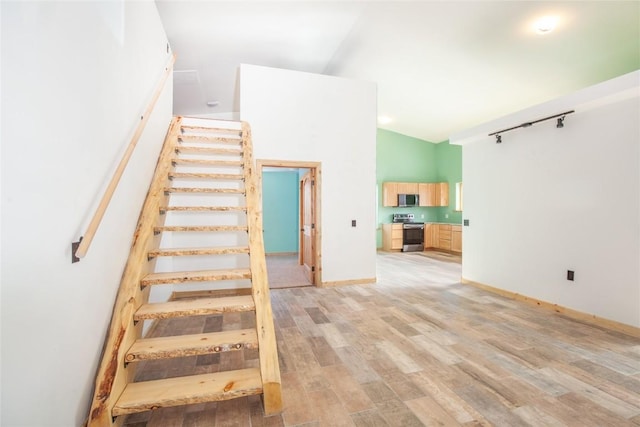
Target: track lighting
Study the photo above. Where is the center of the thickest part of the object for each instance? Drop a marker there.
(559, 124)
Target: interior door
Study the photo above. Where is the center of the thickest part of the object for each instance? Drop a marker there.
(307, 226)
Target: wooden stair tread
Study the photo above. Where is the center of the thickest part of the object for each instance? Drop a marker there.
(203, 190)
(144, 396)
(195, 307)
(195, 276)
(192, 345)
(205, 162)
(210, 139)
(194, 175)
(193, 128)
(200, 228)
(199, 251)
(207, 150)
(203, 208)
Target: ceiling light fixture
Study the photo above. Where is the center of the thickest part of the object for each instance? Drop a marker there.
(546, 24)
(213, 103)
(383, 120)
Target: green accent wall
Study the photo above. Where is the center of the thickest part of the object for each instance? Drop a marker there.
(449, 161)
(280, 206)
(402, 158)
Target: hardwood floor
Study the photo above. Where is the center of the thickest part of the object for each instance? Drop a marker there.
(419, 348)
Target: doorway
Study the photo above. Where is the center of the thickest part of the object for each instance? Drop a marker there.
(302, 266)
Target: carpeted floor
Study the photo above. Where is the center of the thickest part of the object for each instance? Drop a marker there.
(285, 272)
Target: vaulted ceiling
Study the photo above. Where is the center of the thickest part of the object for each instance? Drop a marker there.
(440, 66)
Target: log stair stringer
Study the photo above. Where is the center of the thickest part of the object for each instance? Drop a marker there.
(202, 154)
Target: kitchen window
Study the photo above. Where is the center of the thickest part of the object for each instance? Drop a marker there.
(458, 197)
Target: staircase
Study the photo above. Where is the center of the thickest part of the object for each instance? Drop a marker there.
(200, 230)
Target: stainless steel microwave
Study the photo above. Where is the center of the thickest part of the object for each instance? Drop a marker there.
(408, 200)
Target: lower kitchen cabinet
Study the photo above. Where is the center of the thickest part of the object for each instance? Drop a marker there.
(428, 235)
(446, 237)
(392, 237)
(456, 238)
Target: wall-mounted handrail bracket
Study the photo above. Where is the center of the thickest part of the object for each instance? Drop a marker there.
(74, 248)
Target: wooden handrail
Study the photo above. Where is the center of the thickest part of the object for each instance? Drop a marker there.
(269, 367)
(80, 248)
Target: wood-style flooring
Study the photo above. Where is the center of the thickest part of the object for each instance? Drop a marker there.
(419, 348)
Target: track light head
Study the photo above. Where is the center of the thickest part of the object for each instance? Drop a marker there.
(560, 123)
(498, 139)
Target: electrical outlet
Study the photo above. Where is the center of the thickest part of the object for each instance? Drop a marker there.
(466, 222)
(570, 275)
(353, 222)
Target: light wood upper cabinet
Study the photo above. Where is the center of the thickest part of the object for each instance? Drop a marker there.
(442, 194)
(407, 188)
(389, 194)
(427, 194)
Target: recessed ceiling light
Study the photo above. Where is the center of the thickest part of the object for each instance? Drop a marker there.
(545, 24)
(383, 120)
(213, 103)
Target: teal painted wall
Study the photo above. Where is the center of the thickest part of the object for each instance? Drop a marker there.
(405, 159)
(280, 218)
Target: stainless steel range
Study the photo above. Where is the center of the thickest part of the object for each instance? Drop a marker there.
(412, 232)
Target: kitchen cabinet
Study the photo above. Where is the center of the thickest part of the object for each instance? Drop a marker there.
(427, 193)
(442, 194)
(392, 237)
(389, 194)
(444, 237)
(430, 193)
(456, 238)
(428, 235)
(407, 188)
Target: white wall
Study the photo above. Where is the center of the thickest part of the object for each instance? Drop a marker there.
(548, 200)
(75, 78)
(310, 117)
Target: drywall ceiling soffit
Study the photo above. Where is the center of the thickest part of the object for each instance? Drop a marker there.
(441, 67)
